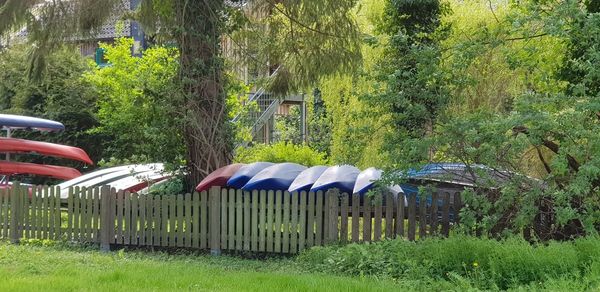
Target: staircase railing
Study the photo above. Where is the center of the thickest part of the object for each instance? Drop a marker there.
(264, 107)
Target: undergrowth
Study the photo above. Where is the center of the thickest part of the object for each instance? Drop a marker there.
(465, 262)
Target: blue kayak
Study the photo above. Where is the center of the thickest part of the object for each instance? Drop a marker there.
(245, 173)
(277, 177)
(305, 180)
(24, 122)
(342, 177)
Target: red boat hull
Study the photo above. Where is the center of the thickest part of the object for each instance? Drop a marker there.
(218, 177)
(60, 172)
(9, 145)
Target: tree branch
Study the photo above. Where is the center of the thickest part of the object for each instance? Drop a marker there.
(291, 18)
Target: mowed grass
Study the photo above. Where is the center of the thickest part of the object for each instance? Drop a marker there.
(59, 268)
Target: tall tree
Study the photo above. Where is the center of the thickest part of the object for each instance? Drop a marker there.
(304, 32)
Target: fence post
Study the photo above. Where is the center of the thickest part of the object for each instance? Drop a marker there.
(332, 216)
(107, 220)
(214, 221)
(15, 212)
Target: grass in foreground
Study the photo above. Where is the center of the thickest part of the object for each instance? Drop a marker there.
(27, 268)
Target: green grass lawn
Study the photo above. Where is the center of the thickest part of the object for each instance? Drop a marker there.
(34, 267)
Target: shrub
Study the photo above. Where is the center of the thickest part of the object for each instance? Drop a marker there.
(281, 152)
(464, 261)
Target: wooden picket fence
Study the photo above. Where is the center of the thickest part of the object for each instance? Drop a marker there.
(222, 219)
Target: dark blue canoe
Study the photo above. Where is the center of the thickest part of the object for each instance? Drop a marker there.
(278, 177)
(24, 122)
(245, 173)
(305, 180)
(342, 177)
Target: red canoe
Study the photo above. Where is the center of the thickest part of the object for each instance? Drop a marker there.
(60, 172)
(219, 177)
(9, 145)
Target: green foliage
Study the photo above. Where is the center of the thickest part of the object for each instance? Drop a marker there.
(60, 95)
(308, 40)
(465, 261)
(356, 127)
(135, 103)
(281, 152)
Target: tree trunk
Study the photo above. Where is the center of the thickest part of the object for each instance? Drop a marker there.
(204, 108)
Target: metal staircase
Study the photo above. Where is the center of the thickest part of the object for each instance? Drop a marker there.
(264, 106)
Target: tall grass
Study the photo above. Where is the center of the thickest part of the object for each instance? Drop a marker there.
(466, 262)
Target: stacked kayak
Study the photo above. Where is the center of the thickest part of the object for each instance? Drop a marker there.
(8, 145)
(133, 178)
(293, 177)
(278, 177)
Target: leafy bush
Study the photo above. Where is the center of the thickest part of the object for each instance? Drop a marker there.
(281, 152)
(465, 261)
(60, 95)
(137, 99)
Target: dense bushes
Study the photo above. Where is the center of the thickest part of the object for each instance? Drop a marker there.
(480, 263)
(281, 152)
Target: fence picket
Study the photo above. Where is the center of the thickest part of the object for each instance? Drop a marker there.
(355, 217)
(344, 218)
(89, 213)
(247, 198)
(231, 221)
(294, 227)
(412, 220)
(204, 227)
(457, 207)
(188, 220)
(367, 218)
(423, 216)
(286, 222)
(164, 228)
(195, 224)
(278, 227)
(180, 219)
(172, 215)
(142, 201)
(57, 214)
(310, 222)
(238, 220)
(223, 219)
(433, 225)
(46, 217)
(389, 214)
(446, 214)
(261, 221)
(26, 215)
(255, 222)
(270, 221)
(151, 219)
(134, 229)
(214, 219)
(332, 216)
(156, 220)
(399, 228)
(378, 217)
(40, 213)
(319, 218)
(302, 222)
(120, 203)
